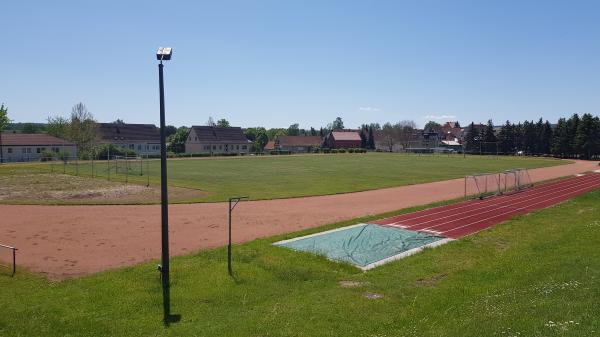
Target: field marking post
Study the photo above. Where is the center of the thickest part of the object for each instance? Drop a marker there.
(233, 201)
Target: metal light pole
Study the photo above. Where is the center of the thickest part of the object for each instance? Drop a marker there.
(232, 201)
(164, 54)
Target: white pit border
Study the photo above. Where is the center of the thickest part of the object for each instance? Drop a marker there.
(376, 263)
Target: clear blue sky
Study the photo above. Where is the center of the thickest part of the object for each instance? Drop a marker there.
(273, 63)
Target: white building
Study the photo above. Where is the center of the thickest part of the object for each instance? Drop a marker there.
(217, 140)
(141, 138)
(18, 147)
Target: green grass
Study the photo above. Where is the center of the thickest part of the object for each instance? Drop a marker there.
(273, 177)
(536, 275)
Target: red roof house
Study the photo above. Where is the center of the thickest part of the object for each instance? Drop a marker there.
(343, 139)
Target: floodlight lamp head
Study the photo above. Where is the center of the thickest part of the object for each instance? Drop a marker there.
(164, 54)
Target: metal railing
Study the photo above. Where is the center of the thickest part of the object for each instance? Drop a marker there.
(14, 258)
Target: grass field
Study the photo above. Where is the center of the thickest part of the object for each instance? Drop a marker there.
(536, 275)
(293, 176)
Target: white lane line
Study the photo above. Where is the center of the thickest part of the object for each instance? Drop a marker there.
(491, 201)
(591, 188)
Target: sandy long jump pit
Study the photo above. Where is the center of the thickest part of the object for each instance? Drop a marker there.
(70, 241)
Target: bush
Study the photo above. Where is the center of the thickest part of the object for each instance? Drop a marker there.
(334, 151)
(342, 150)
(47, 156)
(350, 150)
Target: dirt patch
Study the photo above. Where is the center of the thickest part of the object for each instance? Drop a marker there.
(352, 284)
(46, 188)
(432, 280)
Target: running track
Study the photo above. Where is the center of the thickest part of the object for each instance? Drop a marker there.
(464, 218)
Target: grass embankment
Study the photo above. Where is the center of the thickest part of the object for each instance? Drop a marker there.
(536, 275)
(275, 177)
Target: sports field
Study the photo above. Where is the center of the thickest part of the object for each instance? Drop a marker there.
(273, 177)
(535, 275)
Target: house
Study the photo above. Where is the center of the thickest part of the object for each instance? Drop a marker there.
(387, 142)
(343, 139)
(31, 146)
(423, 141)
(297, 144)
(452, 131)
(270, 146)
(217, 140)
(141, 138)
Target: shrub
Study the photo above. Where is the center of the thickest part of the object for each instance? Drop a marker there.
(334, 151)
(47, 156)
(342, 150)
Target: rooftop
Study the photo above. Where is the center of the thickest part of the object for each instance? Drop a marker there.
(215, 134)
(31, 139)
(110, 132)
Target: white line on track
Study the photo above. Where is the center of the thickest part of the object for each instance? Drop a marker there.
(492, 202)
(521, 208)
(523, 194)
(492, 207)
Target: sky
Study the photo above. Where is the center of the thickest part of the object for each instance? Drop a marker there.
(275, 63)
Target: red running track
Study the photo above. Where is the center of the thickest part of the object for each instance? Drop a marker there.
(468, 217)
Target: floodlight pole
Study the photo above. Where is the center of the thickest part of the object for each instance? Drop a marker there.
(164, 201)
(232, 203)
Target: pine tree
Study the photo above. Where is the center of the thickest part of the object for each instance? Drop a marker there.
(506, 138)
(560, 139)
(586, 138)
(371, 139)
(471, 136)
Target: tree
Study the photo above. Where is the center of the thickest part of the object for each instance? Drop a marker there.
(222, 123)
(313, 132)
(586, 138)
(471, 137)
(82, 129)
(545, 138)
(561, 143)
(433, 126)
(119, 122)
(506, 138)
(371, 139)
(30, 128)
(210, 122)
(294, 130)
(572, 126)
(3, 122)
(337, 124)
(170, 130)
(529, 137)
(176, 141)
(58, 127)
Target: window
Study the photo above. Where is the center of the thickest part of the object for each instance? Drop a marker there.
(207, 147)
(190, 138)
(244, 147)
(220, 147)
(214, 147)
(237, 147)
(196, 138)
(38, 150)
(139, 148)
(10, 150)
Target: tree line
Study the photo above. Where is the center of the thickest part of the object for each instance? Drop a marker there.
(574, 137)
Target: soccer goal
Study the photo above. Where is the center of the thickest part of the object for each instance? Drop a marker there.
(129, 165)
(515, 180)
(487, 184)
